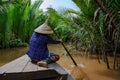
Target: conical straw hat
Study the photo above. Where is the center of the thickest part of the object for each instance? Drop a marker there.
(44, 28)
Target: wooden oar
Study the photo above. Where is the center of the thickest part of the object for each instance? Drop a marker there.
(64, 46)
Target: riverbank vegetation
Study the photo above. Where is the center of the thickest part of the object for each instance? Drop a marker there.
(94, 29)
(18, 18)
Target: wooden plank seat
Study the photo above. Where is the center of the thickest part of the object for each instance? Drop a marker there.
(23, 69)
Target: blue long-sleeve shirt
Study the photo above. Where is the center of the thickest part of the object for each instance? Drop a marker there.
(38, 49)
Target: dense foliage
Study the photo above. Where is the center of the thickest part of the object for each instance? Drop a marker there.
(18, 18)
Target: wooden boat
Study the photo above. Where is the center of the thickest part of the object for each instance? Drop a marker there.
(23, 69)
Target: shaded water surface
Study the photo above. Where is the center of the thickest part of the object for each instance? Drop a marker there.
(7, 55)
(87, 69)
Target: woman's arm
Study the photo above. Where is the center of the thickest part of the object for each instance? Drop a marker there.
(50, 40)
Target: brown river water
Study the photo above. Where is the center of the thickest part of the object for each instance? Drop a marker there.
(87, 67)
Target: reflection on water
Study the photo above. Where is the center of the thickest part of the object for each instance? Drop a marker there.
(87, 69)
(78, 73)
